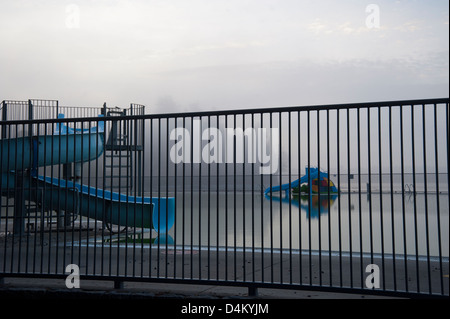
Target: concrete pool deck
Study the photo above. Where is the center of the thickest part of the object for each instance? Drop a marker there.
(133, 288)
(160, 262)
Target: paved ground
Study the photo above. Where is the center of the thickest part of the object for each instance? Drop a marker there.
(173, 301)
(37, 288)
(46, 257)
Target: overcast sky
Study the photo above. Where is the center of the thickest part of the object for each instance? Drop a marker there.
(179, 55)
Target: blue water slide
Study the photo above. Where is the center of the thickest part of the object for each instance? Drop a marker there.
(68, 145)
(311, 174)
(63, 129)
(111, 207)
(30, 152)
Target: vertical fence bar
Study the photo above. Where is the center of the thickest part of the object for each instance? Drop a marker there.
(380, 177)
(97, 194)
(183, 218)
(72, 247)
(281, 194)
(80, 231)
(209, 200)
(338, 151)
(261, 118)
(290, 197)
(192, 199)
(151, 164)
(438, 206)
(3, 135)
(254, 157)
(369, 160)
(415, 196)
(330, 275)
(8, 191)
(2, 188)
(391, 173)
(234, 200)
(358, 134)
(349, 199)
(19, 205)
(309, 198)
(218, 250)
(319, 197)
(200, 245)
(158, 252)
(427, 235)
(106, 128)
(402, 168)
(175, 240)
(226, 207)
(271, 210)
(137, 192)
(300, 228)
(119, 232)
(166, 219)
(81, 145)
(447, 143)
(243, 199)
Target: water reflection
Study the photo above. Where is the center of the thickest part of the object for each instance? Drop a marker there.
(350, 222)
(376, 223)
(313, 206)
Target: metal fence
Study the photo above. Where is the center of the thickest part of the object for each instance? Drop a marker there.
(344, 198)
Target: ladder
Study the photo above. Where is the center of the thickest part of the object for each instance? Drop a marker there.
(119, 155)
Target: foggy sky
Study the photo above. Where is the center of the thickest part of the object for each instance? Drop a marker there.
(174, 56)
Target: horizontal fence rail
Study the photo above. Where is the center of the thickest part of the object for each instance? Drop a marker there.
(345, 198)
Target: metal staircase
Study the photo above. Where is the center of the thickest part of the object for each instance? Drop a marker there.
(122, 154)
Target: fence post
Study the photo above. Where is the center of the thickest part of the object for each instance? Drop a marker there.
(118, 284)
(252, 291)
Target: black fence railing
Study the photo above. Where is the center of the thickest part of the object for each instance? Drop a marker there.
(345, 198)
